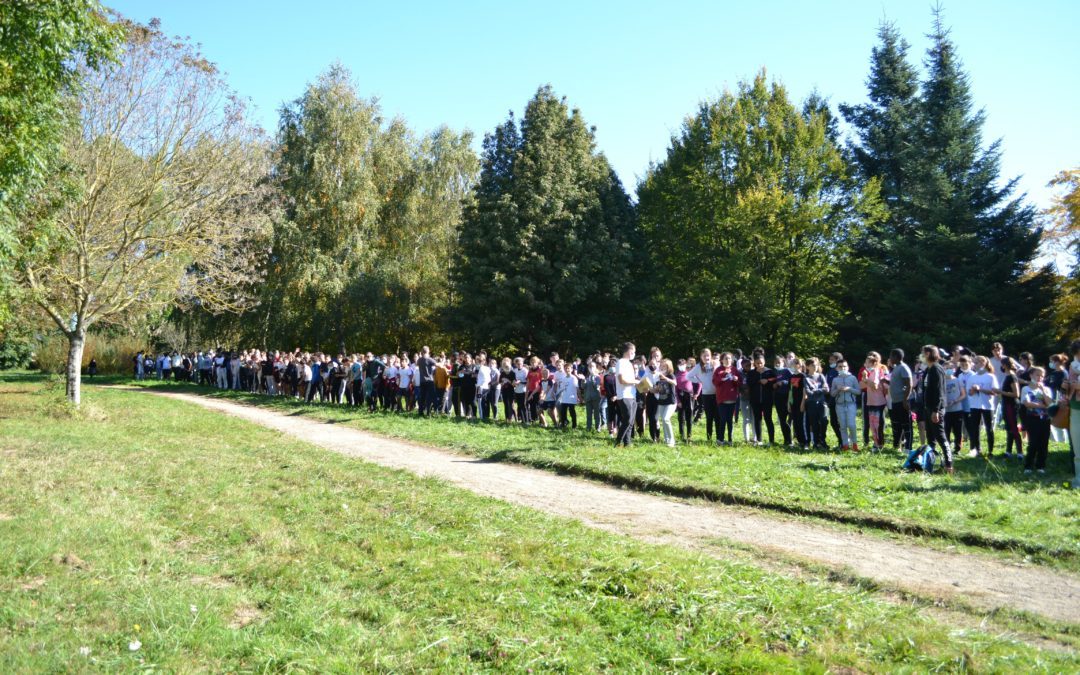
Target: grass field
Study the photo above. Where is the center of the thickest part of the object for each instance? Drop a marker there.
(143, 533)
(986, 503)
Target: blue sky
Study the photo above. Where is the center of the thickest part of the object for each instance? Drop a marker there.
(634, 68)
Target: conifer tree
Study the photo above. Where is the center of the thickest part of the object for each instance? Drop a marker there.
(954, 260)
(544, 250)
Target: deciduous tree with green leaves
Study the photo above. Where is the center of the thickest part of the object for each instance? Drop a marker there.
(166, 197)
(1062, 239)
(42, 43)
(371, 215)
(750, 220)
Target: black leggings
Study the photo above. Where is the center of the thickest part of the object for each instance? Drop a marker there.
(522, 409)
(817, 421)
(727, 420)
(532, 404)
(783, 416)
(834, 421)
(508, 404)
(712, 420)
(900, 417)
(954, 428)
(565, 408)
(1038, 441)
(935, 436)
(763, 409)
(1012, 431)
(468, 400)
(651, 404)
(625, 407)
(686, 414)
(798, 421)
(986, 417)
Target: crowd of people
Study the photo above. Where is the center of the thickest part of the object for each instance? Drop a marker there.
(948, 400)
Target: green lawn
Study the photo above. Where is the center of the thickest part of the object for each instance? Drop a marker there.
(990, 504)
(218, 545)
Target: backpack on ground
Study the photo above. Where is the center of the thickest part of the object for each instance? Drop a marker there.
(921, 459)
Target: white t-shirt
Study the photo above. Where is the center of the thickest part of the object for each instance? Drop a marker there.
(568, 389)
(982, 400)
(391, 374)
(625, 371)
(704, 378)
(404, 377)
(219, 361)
(307, 373)
(520, 375)
(483, 378)
(548, 386)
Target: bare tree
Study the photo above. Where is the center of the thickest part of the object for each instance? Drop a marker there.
(168, 199)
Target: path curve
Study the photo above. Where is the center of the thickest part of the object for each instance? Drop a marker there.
(979, 580)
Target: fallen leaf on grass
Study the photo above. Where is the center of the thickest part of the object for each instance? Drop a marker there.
(244, 615)
(35, 583)
(71, 560)
(211, 582)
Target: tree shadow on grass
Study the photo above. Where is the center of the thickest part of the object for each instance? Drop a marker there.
(504, 455)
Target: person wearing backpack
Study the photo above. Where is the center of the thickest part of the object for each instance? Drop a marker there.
(934, 403)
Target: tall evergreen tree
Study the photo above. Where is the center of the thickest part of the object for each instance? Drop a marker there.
(954, 259)
(749, 220)
(546, 245)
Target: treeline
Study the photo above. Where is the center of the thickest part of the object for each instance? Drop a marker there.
(764, 224)
(761, 226)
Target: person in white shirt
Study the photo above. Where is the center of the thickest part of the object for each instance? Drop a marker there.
(219, 371)
(982, 386)
(626, 386)
(404, 379)
(521, 375)
(997, 353)
(234, 365)
(567, 394)
(484, 375)
(702, 374)
(390, 377)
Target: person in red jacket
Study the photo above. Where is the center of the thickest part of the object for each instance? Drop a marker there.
(727, 380)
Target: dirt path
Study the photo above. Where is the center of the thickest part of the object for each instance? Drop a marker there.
(980, 581)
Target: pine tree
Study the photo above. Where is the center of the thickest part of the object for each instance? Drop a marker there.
(545, 247)
(953, 261)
